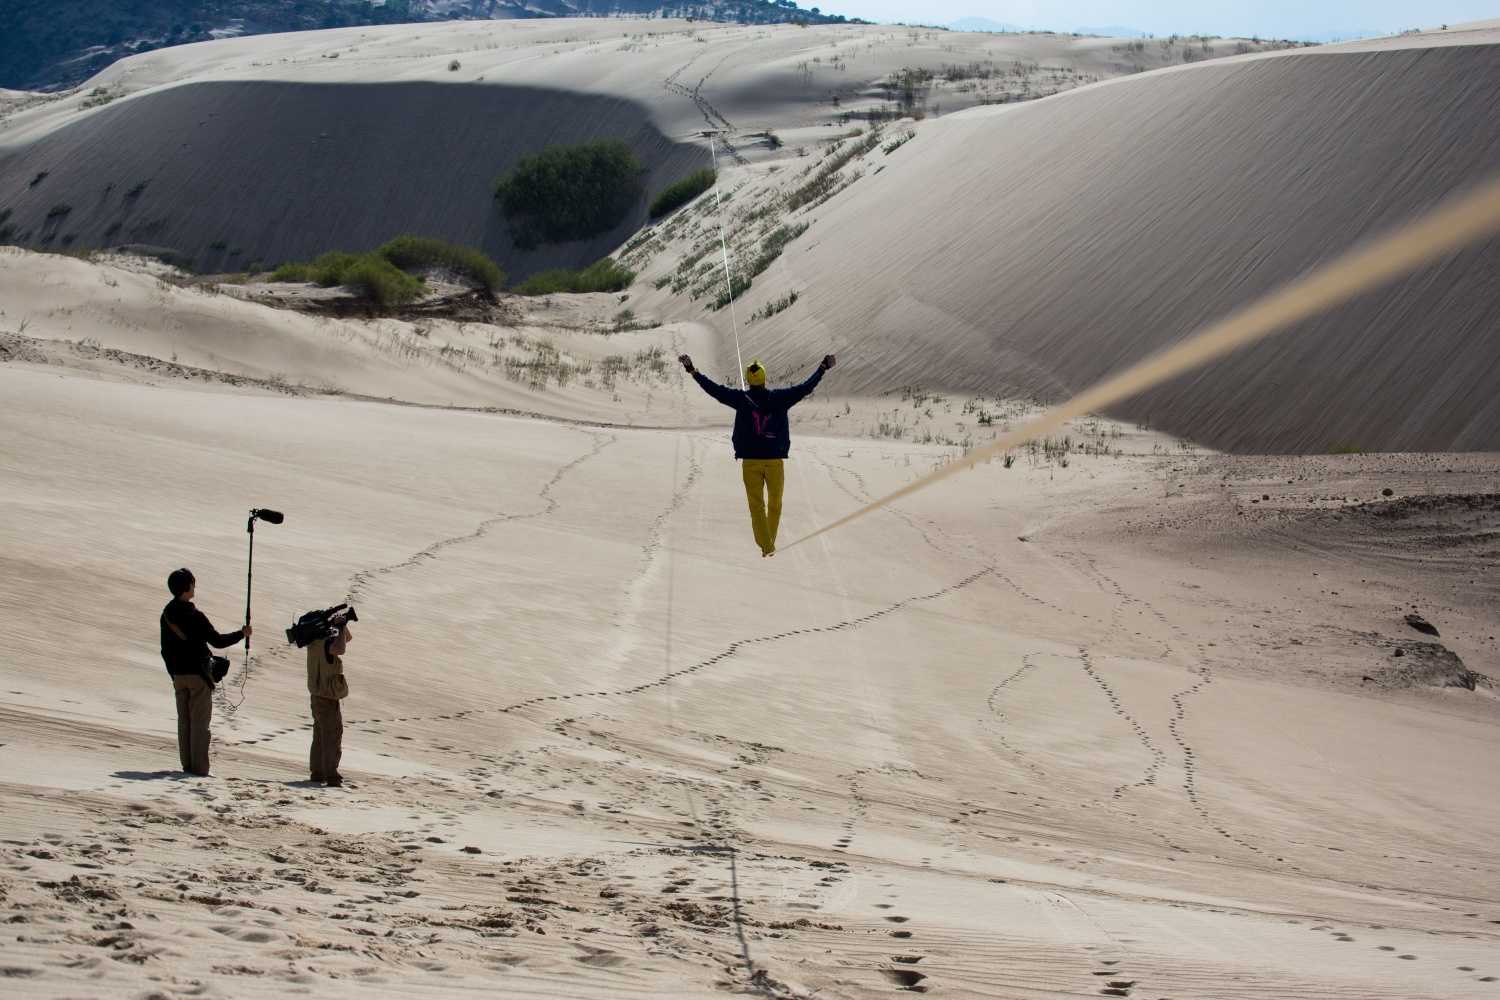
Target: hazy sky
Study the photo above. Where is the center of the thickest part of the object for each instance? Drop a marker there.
(1278, 18)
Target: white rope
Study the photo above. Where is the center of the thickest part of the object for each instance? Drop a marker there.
(724, 246)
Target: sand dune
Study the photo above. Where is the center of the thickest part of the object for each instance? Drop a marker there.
(1121, 718)
(249, 152)
(1041, 246)
(237, 176)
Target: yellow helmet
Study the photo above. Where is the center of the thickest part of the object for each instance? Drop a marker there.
(755, 374)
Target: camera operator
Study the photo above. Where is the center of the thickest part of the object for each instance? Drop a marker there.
(186, 634)
(327, 687)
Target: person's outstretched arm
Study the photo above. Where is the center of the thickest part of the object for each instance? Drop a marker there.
(202, 628)
(797, 393)
(724, 394)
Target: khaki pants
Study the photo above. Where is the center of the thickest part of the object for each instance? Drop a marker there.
(328, 738)
(195, 709)
(764, 478)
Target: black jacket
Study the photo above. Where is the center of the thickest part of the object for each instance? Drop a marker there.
(188, 656)
(761, 429)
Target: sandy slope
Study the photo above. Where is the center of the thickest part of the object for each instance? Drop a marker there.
(242, 176)
(1040, 246)
(596, 749)
(765, 71)
(121, 306)
(248, 152)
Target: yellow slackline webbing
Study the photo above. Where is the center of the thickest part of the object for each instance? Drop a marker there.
(1455, 223)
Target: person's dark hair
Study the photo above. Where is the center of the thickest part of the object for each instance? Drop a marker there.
(180, 581)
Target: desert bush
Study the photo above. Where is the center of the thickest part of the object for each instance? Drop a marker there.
(292, 271)
(570, 192)
(684, 191)
(772, 308)
(774, 243)
(601, 276)
(370, 274)
(380, 281)
(381, 275)
(898, 142)
(454, 66)
(738, 286)
(411, 253)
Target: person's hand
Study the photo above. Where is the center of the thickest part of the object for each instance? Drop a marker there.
(828, 362)
(687, 362)
(247, 630)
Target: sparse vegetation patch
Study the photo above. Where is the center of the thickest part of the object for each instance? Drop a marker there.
(772, 308)
(381, 275)
(825, 181)
(413, 253)
(370, 274)
(601, 276)
(684, 191)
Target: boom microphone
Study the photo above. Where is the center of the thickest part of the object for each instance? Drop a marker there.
(270, 517)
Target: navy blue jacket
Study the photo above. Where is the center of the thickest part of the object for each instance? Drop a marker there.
(760, 425)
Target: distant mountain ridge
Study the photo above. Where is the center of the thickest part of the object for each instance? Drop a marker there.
(55, 44)
(989, 24)
(982, 24)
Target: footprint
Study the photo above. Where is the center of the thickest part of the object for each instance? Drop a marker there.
(906, 979)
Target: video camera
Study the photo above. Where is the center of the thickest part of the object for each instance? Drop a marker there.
(317, 625)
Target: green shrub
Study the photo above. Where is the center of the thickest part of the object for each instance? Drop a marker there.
(292, 271)
(329, 269)
(601, 276)
(570, 192)
(370, 274)
(411, 253)
(381, 282)
(684, 191)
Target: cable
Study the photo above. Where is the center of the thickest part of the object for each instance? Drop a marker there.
(724, 246)
(1455, 223)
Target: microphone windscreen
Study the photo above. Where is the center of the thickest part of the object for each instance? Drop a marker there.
(270, 516)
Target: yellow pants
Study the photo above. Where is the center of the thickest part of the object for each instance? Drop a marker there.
(764, 476)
